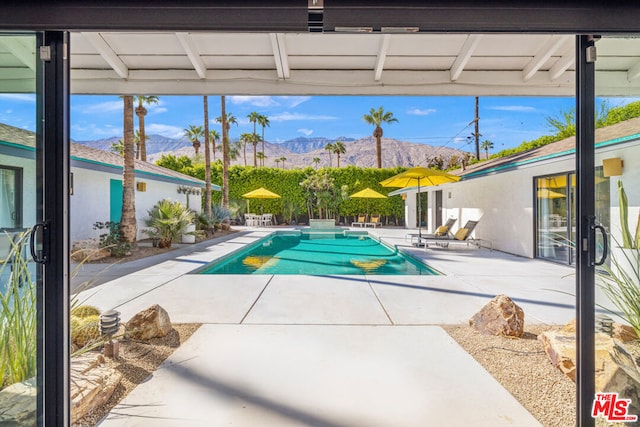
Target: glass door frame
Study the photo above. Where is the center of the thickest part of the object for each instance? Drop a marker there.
(53, 166)
(570, 17)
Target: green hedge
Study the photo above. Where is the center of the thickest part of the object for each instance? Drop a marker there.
(286, 183)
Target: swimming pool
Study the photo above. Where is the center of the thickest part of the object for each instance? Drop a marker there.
(318, 254)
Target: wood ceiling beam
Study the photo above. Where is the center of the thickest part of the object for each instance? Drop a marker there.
(562, 64)
(191, 50)
(21, 50)
(543, 55)
(382, 56)
(469, 46)
(107, 53)
(280, 55)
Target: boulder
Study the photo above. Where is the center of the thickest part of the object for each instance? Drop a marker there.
(501, 316)
(18, 404)
(616, 368)
(92, 384)
(150, 323)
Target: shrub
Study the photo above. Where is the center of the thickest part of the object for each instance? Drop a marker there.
(18, 322)
(85, 330)
(85, 311)
(167, 221)
(111, 239)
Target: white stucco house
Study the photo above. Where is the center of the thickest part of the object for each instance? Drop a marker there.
(96, 186)
(524, 202)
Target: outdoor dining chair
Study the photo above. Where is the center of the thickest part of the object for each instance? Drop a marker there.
(266, 220)
(252, 220)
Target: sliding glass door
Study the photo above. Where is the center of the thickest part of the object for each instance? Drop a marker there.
(21, 205)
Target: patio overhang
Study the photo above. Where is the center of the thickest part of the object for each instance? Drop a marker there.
(330, 63)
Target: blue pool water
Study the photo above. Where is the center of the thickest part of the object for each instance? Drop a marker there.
(318, 254)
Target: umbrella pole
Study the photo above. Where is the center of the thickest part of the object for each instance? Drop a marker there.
(419, 213)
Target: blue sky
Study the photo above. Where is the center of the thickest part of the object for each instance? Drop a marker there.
(506, 121)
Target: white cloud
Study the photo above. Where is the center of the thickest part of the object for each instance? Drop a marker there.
(419, 112)
(95, 132)
(165, 130)
(256, 101)
(305, 132)
(294, 101)
(286, 117)
(22, 97)
(515, 108)
(103, 107)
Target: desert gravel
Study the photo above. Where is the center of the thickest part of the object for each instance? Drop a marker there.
(523, 368)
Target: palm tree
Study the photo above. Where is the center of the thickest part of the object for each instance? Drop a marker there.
(263, 121)
(137, 139)
(339, 148)
(207, 159)
(193, 133)
(329, 147)
(255, 138)
(253, 118)
(141, 112)
(277, 162)
(128, 228)
(261, 157)
(222, 119)
(245, 137)
(213, 137)
(282, 159)
(117, 147)
(316, 161)
(486, 145)
(377, 118)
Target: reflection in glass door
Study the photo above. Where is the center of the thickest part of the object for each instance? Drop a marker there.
(617, 83)
(20, 207)
(556, 214)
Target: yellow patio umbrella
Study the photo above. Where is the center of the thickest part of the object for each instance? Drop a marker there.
(545, 193)
(260, 193)
(367, 193)
(419, 176)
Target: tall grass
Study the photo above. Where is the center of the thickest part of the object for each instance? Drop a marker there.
(18, 320)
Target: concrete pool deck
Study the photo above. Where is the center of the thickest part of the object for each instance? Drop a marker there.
(329, 350)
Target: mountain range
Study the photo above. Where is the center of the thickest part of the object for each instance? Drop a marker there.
(300, 152)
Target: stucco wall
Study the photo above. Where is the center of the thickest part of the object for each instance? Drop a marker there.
(504, 201)
(90, 202)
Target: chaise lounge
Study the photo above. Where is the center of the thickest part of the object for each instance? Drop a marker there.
(374, 221)
(362, 218)
(462, 235)
(442, 231)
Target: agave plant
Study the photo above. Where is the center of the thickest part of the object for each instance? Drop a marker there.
(628, 241)
(167, 221)
(621, 281)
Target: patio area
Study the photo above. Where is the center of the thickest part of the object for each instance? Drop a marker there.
(330, 350)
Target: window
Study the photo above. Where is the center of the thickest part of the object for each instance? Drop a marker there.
(10, 197)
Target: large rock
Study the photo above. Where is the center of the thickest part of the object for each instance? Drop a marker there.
(18, 404)
(92, 384)
(150, 323)
(616, 367)
(501, 316)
